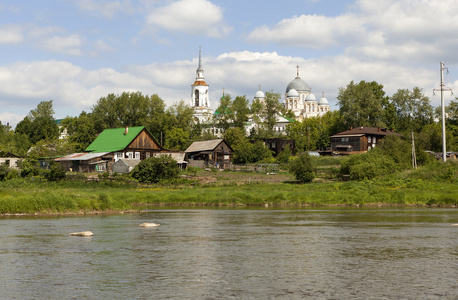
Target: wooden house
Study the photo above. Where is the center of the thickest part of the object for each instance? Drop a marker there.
(135, 143)
(277, 145)
(210, 153)
(359, 139)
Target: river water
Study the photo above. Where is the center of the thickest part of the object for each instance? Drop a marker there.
(234, 254)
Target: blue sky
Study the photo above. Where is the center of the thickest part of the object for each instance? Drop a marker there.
(75, 51)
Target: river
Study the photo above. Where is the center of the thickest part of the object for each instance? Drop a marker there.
(234, 254)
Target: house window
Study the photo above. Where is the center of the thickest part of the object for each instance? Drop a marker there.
(119, 155)
(148, 155)
(137, 155)
(369, 139)
(227, 157)
(374, 140)
(130, 155)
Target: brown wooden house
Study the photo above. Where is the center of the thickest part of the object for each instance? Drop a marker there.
(359, 139)
(111, 145)
(212, 153)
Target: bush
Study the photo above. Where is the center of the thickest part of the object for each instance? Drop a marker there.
(302, 168)
(368, 165)
(29, 167)
(3, 172)
(56, 172)
(283, 157)
(156, 169)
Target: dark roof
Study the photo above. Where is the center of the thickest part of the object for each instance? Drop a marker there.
(208, 145)
(358, 131)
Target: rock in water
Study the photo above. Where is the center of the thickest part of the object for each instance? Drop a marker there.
(82, 233)
(148, 225)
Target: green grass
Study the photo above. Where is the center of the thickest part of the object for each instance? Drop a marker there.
(433, 185)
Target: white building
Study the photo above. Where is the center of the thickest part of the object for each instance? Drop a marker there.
(300, 100)
(281, 121)
(200, 100)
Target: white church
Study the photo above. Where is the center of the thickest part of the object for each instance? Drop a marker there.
(298, 98)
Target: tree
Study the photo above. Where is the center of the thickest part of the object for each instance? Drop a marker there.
(43, 109)
(179, 116)
(272, 109)
(234, 136)
(39, 124)
(128, 109)
(81, 130)
(240, 111)
(224, 113)
(177, 139)
(302, 168)
(362, 104)
(412, 110)
(156, 169)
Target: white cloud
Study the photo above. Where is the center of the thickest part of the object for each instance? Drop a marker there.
(190, 16)
(70, 44)
(106, 8)
(11, 34)
(312, 31)
(402, 31)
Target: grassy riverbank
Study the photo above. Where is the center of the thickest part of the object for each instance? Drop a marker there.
(23, 196)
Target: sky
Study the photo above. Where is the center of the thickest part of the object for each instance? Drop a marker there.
(76, 51)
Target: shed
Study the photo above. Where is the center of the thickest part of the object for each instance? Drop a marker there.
(178, 156)
(124, 165)
(85, 162)
(214, 153)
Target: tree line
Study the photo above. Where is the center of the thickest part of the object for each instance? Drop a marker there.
(360, 104)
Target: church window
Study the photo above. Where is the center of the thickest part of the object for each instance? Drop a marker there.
(196, 93)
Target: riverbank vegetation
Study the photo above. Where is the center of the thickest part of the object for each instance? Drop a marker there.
(431, 185)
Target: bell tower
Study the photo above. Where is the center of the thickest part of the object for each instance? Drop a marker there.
(199, 89)
(200, 100)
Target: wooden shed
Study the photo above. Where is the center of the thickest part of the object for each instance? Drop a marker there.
(212, 153)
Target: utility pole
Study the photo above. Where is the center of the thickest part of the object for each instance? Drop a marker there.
(442, 89)
(414, 155)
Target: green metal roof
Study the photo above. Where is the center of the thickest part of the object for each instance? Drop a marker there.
(289, 119)
(114, 139)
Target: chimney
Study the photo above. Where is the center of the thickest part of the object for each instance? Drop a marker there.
(379, 129)
(126, 131)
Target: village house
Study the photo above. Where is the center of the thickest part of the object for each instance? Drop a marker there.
(10, 160)
(277, 145)
(211, 153)
(359, 139)
(135, 143)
